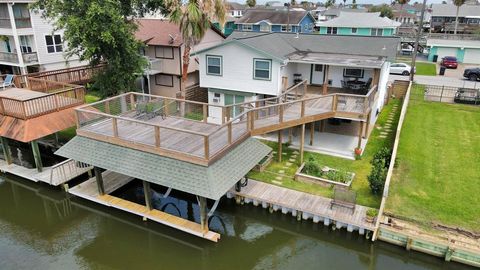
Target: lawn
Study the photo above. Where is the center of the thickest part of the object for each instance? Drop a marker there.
(361, 168)
(437, 175)
(425, 68)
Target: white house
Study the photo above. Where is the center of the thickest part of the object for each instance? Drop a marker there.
(28, 43)
(254, 66)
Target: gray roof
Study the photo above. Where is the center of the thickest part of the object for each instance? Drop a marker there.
(450, 10)
(211, 182)
(235, 6)
(336, 11)
(283, 45)
(349, 19)
(281, 16)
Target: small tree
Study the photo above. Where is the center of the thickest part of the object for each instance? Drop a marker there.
(251, 3)
(378, 174)
(354, 4)
(458, 4)
(330, 3)
(385, 10)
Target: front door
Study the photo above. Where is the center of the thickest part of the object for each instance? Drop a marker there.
(317, 74)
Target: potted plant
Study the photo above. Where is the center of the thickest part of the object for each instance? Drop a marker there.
(371, 215)
(358, 153)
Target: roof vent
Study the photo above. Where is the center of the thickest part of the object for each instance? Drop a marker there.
(172, 38)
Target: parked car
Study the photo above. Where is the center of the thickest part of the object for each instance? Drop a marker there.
(401, 68)
(449, 62)
(468, 96)
(472, 74)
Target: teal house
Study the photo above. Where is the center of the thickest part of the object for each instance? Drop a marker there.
(228, 27)
(466, 51)
(359, 24)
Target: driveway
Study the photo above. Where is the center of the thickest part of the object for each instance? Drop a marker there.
(438, 80)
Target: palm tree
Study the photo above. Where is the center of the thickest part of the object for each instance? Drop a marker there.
(194, 20)
(457, 3)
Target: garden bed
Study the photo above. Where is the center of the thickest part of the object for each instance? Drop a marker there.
(324, 176)
(260, 167)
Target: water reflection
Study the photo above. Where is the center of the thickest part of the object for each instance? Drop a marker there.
(43, 228)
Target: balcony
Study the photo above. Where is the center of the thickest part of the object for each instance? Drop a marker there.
(28, 58)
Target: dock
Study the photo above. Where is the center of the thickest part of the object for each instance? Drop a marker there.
(304, 205)
(112, 181)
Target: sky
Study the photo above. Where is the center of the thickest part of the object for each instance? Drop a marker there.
(349, 1)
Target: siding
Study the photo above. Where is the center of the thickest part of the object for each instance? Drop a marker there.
(360, 31)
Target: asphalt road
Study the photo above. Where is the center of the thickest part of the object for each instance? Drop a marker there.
(438, 80)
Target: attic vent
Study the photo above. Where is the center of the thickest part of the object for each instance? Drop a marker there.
(172, 38)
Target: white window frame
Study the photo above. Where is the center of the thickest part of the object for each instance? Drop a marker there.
(54, 44)
(376, 32)
(221, 65)
(255, 60)
(269, 27)
(250, 26)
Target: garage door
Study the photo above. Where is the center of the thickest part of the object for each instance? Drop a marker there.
(442, 52)
(472, 56)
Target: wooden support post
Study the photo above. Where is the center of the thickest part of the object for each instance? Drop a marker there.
(202, 203)
(322, 125)
(206, 147)
(6, 150)
(280, 114)
(290, 135)
(360, 133)
(36, 156)
(115, 127)
(280, 145)
(132, 101)
(107, 107)
(148, 194)
(312, 132)
(99, 178)
(205, 113)
(325, 81)
(302, 109)
(229, 131)
(157, 136)
(367, 128)
(302, 143)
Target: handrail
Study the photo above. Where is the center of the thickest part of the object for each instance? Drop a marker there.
(59, 169)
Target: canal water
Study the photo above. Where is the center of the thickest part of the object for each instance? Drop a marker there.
(44, 228)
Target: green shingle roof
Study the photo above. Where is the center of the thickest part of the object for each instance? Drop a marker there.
(211, 182)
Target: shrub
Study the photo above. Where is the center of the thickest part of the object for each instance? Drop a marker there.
(371, 212)
(380, 162)
(311, 167)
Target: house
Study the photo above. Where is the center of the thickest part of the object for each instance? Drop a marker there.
(246, 68)
(276, 20)
(365, 24)
(235, 9)
(443, 18)
(332, 13)
(28, 42)
(466, 51)
(404, 17)
(164, 50)
(229, 25)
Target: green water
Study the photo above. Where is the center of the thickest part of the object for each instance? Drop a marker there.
(43, 229)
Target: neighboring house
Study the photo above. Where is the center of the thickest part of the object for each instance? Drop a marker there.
(247, 68)
(332, 13)
(466, 51)
(404, 17)
(267, 20)
(364, 24)
(274, 4)
(229, 25)
(28, 42)
(443, 18)
(235, 9)
(164, 50)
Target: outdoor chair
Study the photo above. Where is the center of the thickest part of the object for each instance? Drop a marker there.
(344, 84)
(8, 81)
(367, 85)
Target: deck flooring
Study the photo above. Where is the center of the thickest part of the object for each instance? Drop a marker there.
(112, 181)
(308, 203)
(20, 94)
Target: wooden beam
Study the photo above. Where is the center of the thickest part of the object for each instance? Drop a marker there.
(36, 156)
(367, 128)
(6, 150)
(302, 143)
(99, 178)
(290, 135)
(202, 203)
(312, 132)
(280, 145)
(148, 194)
(325, 81)
(205, 113)
(360, 134)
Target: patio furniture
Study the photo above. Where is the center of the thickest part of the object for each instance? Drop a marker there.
(344, 84)
(8, 82)
(368, 84)
(297, 78)
(356, 85)
(344, 197)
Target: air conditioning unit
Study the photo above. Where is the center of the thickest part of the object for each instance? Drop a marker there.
(216, 100)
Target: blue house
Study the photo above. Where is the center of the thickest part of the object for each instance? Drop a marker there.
(281, 20)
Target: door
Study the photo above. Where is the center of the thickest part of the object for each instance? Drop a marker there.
(317, 74)
(233, 99)
(472, 56)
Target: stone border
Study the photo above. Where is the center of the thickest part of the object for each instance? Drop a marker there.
(299, 176)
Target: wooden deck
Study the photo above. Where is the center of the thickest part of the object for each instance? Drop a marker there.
(112, 181)
(311, 206)
(48, 175)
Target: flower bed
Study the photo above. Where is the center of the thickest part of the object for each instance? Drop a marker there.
(310, 172)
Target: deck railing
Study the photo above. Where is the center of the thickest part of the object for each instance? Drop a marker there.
(66, 170)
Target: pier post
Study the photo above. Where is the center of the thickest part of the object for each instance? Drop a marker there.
(6, 150)
(36, 156)
(202, 203)
(99, 178)
(302, 143)
(148, 194)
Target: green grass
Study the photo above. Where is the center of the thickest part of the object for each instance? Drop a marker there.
(361, 168)
(425, 68)
(437, 175)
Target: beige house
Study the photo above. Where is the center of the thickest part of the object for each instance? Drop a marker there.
(164, 50)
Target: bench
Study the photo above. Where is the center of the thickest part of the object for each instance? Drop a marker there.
(343, 197)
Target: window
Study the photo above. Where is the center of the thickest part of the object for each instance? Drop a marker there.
(261, 69)
(286, 29)
(332, 30)
(353, 72)
(264, 27)
(54, 43)
(25, 44)
(247, 27)
(214, 65)
(318, 68)
(164, 80)
(377, 32)
(354, 30)
(164, 52)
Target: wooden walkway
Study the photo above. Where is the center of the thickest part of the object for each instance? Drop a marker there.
(45, 176)
(311, 206)
(112, 181)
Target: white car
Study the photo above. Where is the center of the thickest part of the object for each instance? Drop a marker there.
(400, 68)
